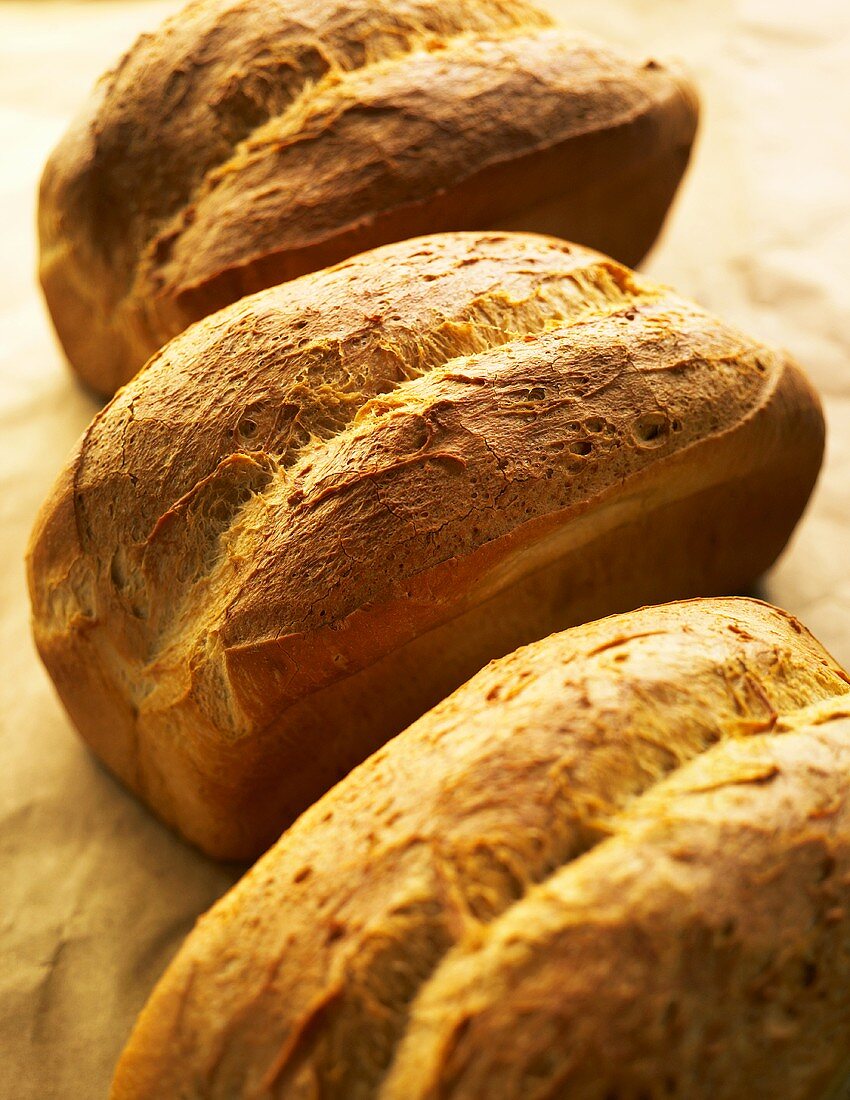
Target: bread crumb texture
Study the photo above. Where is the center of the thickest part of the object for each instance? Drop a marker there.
(250, 141)
(616, 863)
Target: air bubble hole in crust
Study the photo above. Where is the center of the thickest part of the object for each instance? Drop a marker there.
(651, 428)
(118, 569)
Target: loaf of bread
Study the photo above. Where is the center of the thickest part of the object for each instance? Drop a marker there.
(251, 141)
(323, 508)
(614, 863)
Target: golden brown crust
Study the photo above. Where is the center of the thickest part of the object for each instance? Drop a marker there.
(386, 474)
(702, 951)
(249, 142)
(300, 981)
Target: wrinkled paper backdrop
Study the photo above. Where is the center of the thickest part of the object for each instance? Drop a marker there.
(95, 896)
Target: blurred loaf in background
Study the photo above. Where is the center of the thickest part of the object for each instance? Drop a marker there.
(247, 142)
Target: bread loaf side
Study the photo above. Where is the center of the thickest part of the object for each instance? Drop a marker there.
(248, 142)
(616, 862)
(320, 510)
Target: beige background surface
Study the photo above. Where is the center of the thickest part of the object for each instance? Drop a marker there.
(95, 895)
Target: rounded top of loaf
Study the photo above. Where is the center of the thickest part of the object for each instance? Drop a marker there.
(638, 813)
(246, 142)
(301, 488)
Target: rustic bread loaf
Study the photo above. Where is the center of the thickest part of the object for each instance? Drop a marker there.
(318, 511)
(688, 826)
(251, 141)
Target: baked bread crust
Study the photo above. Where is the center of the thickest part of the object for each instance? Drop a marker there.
(247, 142)
(320, 510)
(615, 862)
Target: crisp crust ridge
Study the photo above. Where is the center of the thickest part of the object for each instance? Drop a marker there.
(720, 897)
(548, 760)
(417, 432)
(245, 143)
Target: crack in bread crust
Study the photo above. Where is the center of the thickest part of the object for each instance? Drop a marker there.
(527, 767)
(295, 48)
(306, 118)
(219, 517)
(245, 143)
(703, 933)
(325, 386)
(183, 100)
(377, 120)
(439, 430)
(418, 448)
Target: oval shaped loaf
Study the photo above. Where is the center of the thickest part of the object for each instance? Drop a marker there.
(320, 510)
(686, 823)
(248, 141)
